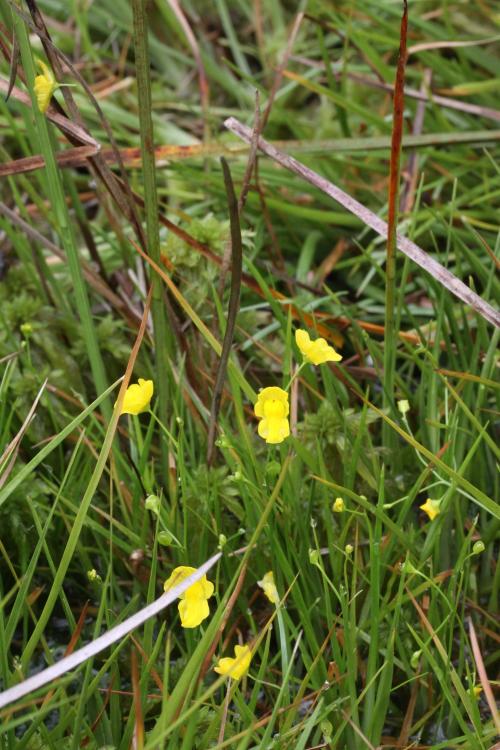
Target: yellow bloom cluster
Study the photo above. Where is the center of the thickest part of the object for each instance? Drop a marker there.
(271, 407)
(193, 609)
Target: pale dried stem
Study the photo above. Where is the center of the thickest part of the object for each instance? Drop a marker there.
(409, 248)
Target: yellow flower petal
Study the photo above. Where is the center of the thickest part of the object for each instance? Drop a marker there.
(193, 611)
(432, 508)
(274, 431)
(272, 409)
(303, 340)
(193, 606)
(317, 352)
(201, 589)
(178, 575)
(269, 587)
(272, 393)
(44, 86)
(238, 666)
(137, 397)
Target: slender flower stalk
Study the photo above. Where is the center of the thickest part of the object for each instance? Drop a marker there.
(295, 374)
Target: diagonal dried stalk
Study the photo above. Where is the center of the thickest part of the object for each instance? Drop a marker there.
(259, 125)
(138, 741)
(117, 633)
(75, 636)
(488, 692)
(164, 154)
(75, 133)
(93, 279)
(412, 173)
(251, 161)
(202, 76)
(70, 157)
(426, 96)
(14, 443)
(120, 195)
(14, 62)
(281, 68)
(409, 248)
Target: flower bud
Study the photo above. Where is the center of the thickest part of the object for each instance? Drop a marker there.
(403, 406)
(415, 658)
(165, 538)
(153, 504)
(313, 556)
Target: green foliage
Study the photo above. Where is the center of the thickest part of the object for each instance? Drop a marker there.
(197, 274)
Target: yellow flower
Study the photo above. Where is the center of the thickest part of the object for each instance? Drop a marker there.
(269, 587)
(137, 397)
(272, 409)
(317, 351)
(238, 666)
(193, 606)
(432, 508)
(339, 505)
(45, 85)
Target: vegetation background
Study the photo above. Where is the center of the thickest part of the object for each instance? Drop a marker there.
(387, 630)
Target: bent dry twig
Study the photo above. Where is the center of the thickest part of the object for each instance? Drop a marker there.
(409, 248)
(112, 636)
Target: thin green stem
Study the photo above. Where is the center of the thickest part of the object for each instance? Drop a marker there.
(164, 429)
(295, 375)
